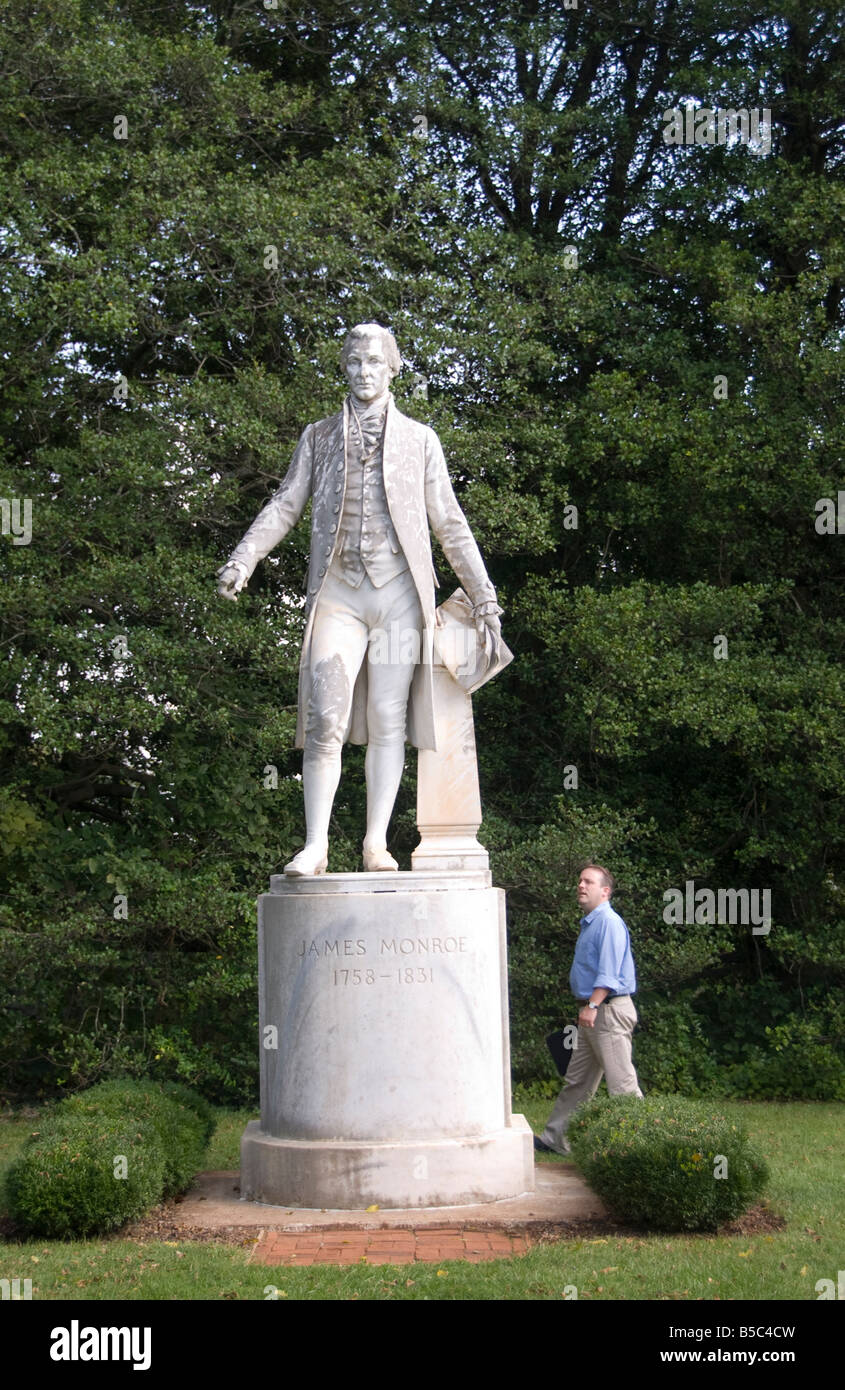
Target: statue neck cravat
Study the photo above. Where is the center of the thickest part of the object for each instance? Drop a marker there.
(367, 424)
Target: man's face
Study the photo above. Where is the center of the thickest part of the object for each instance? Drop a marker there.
(591, 890)
(367, 370)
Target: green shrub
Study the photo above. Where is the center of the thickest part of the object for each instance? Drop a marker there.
(797, 1062)
(168, 995)
(671, 1051)
(183, 1095)
(656, 1161)
(71, 1178)
(64, 1184)
(178, 1128)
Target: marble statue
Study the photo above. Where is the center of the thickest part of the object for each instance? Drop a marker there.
(377, 481)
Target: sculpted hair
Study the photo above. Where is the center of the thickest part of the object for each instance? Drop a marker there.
(607, 879)
(372, 330)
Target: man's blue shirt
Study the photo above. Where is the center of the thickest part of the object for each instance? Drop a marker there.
(603, 958)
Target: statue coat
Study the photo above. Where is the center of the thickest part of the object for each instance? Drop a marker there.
(419, 495)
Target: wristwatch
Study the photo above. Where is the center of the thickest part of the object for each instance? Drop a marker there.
(591, 1005)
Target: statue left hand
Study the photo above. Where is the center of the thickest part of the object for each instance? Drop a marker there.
(488, 630)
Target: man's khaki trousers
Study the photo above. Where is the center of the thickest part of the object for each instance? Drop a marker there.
(604, 1049)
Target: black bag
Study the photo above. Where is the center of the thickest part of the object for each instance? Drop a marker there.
(561, 1054)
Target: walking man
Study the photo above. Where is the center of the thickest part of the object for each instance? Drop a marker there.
(602, 979)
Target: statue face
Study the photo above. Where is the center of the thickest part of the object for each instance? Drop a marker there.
(367, 370)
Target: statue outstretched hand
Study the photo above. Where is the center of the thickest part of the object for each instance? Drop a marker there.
(231, 578)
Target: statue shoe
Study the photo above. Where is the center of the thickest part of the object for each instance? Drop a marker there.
(378, 860)
(313, 859)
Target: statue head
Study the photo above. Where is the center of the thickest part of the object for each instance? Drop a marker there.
(370, 359)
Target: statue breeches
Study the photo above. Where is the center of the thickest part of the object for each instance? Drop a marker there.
(382, 626)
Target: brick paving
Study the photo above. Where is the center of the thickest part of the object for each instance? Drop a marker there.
(385, 1247)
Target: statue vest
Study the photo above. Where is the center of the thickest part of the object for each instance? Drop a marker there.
(367, 542)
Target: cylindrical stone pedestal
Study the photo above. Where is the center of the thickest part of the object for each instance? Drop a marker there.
(384, 1045)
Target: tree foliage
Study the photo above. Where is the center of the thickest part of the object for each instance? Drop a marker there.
(607, 330)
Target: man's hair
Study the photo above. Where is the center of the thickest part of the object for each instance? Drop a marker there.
(372, 330)
(607, 879)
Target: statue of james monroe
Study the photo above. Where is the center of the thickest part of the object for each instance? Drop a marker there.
(377, 480)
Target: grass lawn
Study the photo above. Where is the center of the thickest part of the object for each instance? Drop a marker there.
(802, 1142)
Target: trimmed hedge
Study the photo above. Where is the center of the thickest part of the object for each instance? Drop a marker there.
(665, 1162)
(180, 1131)
(192, 1100)
(105, 1156)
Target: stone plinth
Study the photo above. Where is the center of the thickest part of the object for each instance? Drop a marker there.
(384, 1045)
(448, 798)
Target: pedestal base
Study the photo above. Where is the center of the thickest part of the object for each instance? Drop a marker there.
(385, 1076)
(354, 1176)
